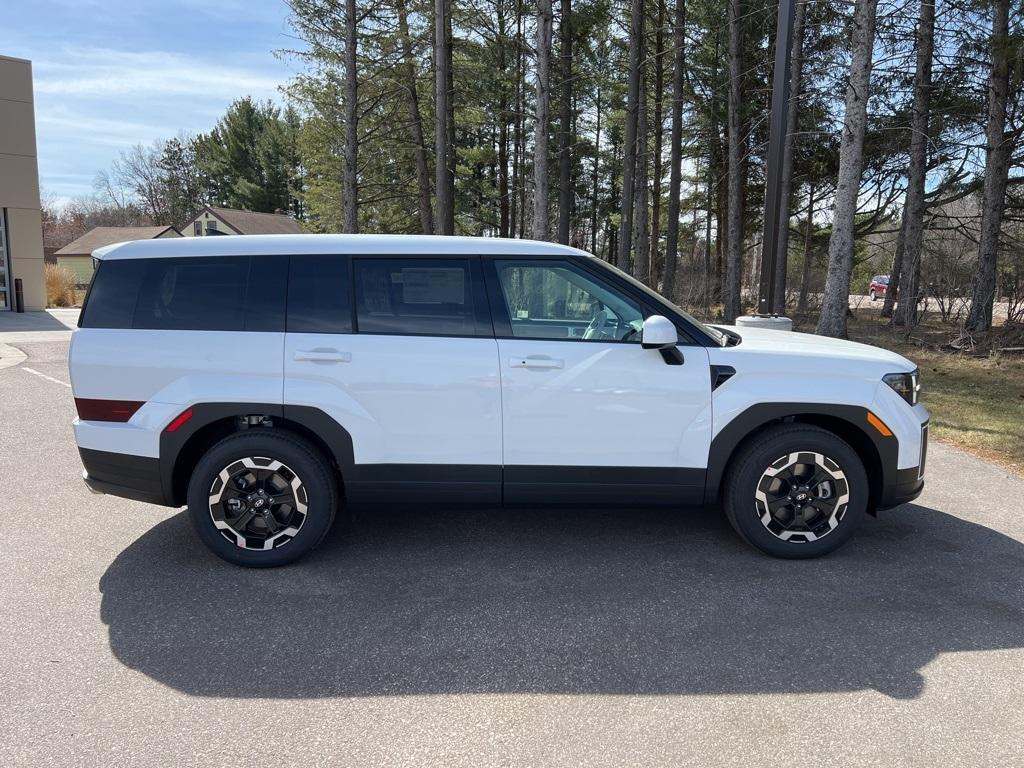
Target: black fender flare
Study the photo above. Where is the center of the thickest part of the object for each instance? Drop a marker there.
(326, 430)
(849, 421)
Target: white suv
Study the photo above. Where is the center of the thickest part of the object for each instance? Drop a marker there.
(263, 381)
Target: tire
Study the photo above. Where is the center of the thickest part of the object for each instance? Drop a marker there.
(770, 472)
(287, 491)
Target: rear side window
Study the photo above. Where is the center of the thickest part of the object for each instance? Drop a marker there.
(229, 293)
(319, 295)
(194, 294)
(112, 294)
(414, 297)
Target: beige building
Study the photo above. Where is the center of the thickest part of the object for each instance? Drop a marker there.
(76, 256)
(231, 221)
(21, 223)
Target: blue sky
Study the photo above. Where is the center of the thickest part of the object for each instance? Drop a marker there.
(115, 73)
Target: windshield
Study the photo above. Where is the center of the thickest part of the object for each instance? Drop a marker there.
(714, 333)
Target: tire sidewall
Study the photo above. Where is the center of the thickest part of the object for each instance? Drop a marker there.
(301, 458)
(741, 507)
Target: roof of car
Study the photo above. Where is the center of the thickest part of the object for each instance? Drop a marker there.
(364, 245)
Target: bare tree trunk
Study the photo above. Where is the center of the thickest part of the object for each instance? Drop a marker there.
(450, 76)
(913, 210)
(445, 179)
(503, 116)
(786, 191)
(997, 161)
(805, 277)
(636, 57)
(517, 128)
(415, 123)
(541, 208)
(350, 208)
(659, 87)
(895, 275)
(675, 160)
(836, 301)
(595, 192)
(642, 257)
(565, 126)
(734, 257)
(707, 242)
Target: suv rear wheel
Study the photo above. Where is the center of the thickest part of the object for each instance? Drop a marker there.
(796, 491)
(262, 498)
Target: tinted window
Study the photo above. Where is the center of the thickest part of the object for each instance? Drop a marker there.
(112, 295)
(414, 296)
(319, 295)
(236, 293)
(265, 293)
(200, 294)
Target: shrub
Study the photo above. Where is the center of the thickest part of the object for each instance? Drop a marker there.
(60, 286)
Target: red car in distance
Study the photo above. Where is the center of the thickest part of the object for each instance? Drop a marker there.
(879, 285)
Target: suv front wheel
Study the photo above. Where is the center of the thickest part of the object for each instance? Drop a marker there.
(262, 498)
(796, 491)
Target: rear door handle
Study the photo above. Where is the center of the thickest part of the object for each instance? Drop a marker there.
(322, 356)
(535, 362)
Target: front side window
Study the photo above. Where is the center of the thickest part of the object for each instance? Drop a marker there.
(555, 300)
(431, 297)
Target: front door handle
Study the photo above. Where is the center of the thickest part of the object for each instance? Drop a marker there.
(322, 356)
(535, 362)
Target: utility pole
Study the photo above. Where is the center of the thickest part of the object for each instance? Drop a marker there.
(774, 217)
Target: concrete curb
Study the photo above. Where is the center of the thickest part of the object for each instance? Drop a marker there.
(10, 356)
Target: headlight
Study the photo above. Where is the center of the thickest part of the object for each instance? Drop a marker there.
(906, 385)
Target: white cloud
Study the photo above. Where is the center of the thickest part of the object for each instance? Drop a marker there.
(65, 124)
(106, 73)
(93, 102)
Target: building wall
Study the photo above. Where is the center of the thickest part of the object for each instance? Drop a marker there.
(80, 267)
(19, 181)
(204, 219)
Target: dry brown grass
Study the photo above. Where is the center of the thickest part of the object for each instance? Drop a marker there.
(60, 286)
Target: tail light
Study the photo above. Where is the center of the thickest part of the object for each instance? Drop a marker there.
(106, 410)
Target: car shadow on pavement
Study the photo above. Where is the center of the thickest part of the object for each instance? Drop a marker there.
(605, 602)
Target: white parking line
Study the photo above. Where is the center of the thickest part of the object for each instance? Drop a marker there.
(44, 376)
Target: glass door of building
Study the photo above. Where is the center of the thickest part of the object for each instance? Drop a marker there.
(5, 265)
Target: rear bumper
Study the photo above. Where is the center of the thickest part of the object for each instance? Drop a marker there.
(121, 474)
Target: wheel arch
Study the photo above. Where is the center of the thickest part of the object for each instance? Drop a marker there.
(879, 454)
(181, 450)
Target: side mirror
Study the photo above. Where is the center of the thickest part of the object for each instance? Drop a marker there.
(658, 333)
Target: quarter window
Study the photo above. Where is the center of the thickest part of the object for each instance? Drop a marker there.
(555, 300)
(414, 297)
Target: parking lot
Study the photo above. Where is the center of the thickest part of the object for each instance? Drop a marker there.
(492, 637)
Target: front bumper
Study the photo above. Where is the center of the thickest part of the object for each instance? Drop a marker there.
(906, 484)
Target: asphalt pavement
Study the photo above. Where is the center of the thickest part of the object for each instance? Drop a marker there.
(485, 637)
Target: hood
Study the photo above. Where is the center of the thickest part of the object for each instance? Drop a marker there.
(794, 344)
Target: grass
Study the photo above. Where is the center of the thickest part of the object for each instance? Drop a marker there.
(976, 403)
